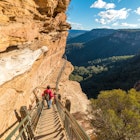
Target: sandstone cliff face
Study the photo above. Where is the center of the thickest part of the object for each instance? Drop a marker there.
(32, 42)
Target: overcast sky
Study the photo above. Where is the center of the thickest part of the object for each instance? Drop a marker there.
(90, 14)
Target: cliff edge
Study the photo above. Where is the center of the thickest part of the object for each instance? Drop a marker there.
(33, 37)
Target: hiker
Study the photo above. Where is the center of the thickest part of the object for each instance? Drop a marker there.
(48, 95)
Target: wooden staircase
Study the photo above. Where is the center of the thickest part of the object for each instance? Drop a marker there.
(50, 126)
(42, 123)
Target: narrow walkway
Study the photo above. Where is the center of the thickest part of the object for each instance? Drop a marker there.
(50, 126)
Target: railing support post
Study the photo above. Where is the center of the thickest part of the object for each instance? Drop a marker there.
(68, 105)
(24, 113)
(23, 137)
(59, 97)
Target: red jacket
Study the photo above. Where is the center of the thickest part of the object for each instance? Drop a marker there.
(48, 91)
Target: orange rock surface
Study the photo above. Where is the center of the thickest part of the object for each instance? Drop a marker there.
(32, 44)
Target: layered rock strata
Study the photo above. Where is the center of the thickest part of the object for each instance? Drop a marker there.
(32, 43)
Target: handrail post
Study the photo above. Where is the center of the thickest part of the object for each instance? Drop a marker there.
(68, 105)
(17, 116)
(59, 97)
(23, 137)
(24, 113)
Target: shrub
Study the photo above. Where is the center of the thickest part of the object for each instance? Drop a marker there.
(117, 115)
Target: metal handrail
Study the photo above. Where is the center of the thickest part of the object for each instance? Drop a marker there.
(60, 73)
(35, 114)
(12, 126)
(17, 128)
(27, 124)
(73, 129)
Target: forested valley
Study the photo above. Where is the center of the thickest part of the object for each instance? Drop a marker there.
(107, 65)
(109, 59)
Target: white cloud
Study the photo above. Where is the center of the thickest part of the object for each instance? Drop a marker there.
(138, 11)
(101, 4)
(76, 25)
(112, 15)
(115, 24)
(106, 27)
(129, 25)
(102, 21)
(125, 24)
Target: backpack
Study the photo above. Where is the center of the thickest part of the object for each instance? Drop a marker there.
(47, 96)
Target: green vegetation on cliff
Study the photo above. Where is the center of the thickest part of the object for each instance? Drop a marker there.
(106, 74)
(117, 115)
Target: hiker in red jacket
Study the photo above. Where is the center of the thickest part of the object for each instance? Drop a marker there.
(48, 95)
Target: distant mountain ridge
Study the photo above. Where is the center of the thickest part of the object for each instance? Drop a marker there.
(75, 33)
(103, 43)
(90, 35)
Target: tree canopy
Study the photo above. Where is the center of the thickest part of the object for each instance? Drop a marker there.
(117, 115)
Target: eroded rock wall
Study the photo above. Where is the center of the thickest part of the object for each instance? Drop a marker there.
(33, 36)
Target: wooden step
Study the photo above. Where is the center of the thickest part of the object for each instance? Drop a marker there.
(49, 126)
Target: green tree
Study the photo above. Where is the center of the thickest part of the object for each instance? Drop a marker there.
(117, 115)
(76, 78)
